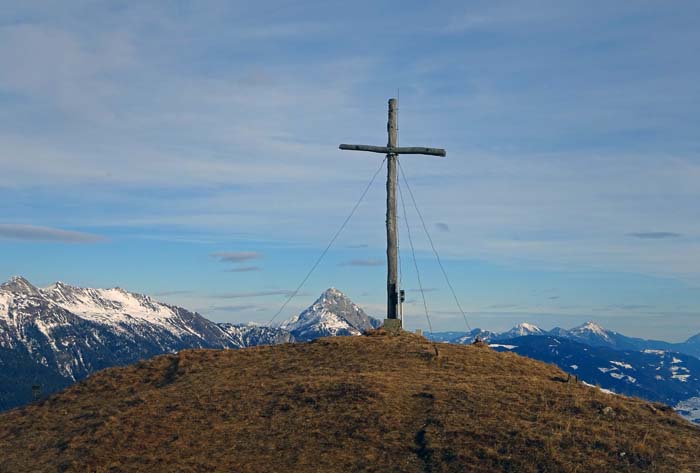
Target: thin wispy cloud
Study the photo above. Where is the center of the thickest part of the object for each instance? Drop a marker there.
(503, 306)
(244, 269)
(507, 15)
(233, 308)
(46, 234)
(269, 31)
(171, 293)
(629, 307)
(425, 289)
(237, 256)
(243, 295)
(655, 235)
(362, 262)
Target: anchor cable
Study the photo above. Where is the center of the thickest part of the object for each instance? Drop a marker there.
(398, 227)
(415, 261)
(432, 245)
(330, 243)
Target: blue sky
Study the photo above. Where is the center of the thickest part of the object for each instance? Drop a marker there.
(188, 150)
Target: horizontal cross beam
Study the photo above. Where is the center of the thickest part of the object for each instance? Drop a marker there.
(401, 150)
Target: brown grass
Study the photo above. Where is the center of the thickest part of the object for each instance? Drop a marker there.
(373, 403)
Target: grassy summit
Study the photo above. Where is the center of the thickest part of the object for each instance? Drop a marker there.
(346, 404)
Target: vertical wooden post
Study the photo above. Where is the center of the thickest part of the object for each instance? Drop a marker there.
(395, 296)
(392, 283)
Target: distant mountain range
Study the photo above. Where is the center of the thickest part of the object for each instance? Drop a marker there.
(51, 337)
(655, 375)
(589, 333)
(650, 369)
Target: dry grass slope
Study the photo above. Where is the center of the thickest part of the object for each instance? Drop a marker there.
(372, 403)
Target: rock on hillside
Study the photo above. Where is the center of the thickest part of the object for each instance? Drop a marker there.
(370, 403)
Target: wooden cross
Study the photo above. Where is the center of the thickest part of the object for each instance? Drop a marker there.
(392, 151)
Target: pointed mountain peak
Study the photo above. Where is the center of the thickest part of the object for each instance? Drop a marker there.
(528, 327)
(59, 286)
(332, 314)
(559, 332)
(20, 280)
(591, 332)
(523, 329)
(591, 326)
(332, 293)
(19, 285)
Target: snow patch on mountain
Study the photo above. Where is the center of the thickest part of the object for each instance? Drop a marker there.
(246, 335)
(114, 307)
(603, 390)
(474, 335)
(507, 347)
(690, 409)
(622, 365)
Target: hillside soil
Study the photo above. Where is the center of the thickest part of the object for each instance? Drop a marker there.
(345, 404)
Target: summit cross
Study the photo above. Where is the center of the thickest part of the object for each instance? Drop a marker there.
(392, 151)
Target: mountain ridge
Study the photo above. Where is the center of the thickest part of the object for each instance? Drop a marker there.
(53, 336)
(56, 335)
(589, 332)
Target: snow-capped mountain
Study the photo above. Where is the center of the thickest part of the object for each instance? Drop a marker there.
(469, 337)
(589, 333)
(650, 369)
(332, 314)
(56, 335)
(59, 334)
(521, 330)
(593, 334)
(248, 335)
(655, 375)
